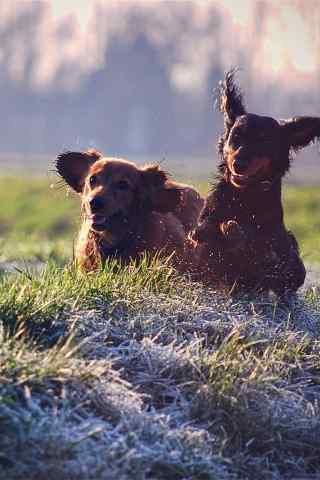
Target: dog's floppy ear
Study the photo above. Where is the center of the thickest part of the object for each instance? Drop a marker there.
(74, 166)
(300, 131)
(230, 100)
(158, 192)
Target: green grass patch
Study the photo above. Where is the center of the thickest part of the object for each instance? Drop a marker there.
(301, 207)
(39, 219)
(36, 302)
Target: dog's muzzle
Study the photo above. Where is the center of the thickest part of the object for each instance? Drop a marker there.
(100, 222)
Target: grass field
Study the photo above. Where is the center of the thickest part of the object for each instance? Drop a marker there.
(138, 373)
(38, 220)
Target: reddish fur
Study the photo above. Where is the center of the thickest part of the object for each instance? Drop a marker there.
(155, 214)
(241, 238)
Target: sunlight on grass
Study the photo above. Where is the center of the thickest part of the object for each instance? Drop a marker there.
(40, 223)
(137, 371)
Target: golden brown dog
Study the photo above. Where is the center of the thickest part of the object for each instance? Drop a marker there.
(128, 210)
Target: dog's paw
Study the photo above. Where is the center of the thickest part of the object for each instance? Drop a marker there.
(233, 234)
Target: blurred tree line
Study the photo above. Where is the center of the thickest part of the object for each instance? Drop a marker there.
(138, 99)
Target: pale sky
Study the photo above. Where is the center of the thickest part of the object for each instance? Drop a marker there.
(82, 9)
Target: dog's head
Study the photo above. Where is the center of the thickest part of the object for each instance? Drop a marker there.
(116, 192)
(256, 148)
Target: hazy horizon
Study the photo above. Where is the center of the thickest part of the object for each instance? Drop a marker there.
(137, 78)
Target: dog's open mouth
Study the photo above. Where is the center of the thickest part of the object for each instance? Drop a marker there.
(257, 171)
(243, 181)
(240, 181)
(102, 222)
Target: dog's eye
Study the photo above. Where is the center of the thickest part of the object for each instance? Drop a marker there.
(122, 185)
(93, 181)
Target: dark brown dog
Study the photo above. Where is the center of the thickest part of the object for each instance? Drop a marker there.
(242, 240)
(127, 210)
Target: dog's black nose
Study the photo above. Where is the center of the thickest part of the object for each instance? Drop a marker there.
(96, 204)
(240, 165)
